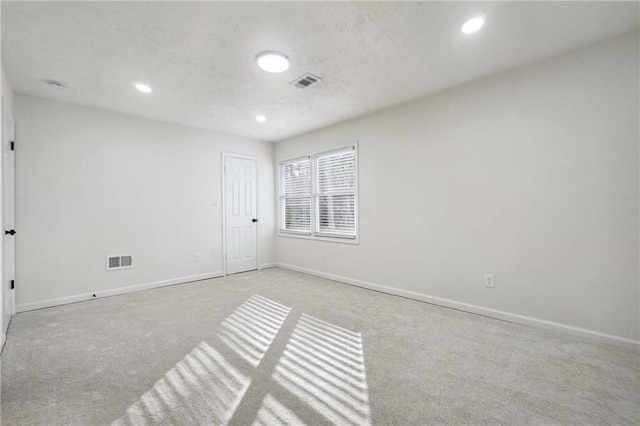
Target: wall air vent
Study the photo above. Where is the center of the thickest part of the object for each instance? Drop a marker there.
(306, 80)
(122, 261)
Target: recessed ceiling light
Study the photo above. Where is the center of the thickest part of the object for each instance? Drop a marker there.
(261, 118)
(272, 61)
(143, 88)
(474, 24)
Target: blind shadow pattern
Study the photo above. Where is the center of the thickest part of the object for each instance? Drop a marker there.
(273, 413)
(203, 385)
(323, 366)
(251, 328)
(204, 388)
(321, 369)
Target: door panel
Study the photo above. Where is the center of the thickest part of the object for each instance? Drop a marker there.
(241, 214)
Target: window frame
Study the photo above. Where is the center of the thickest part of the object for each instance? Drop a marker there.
(314, 233)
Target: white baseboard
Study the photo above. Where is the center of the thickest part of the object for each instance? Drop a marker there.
(475, 309)
(267, 265)
(113, 292)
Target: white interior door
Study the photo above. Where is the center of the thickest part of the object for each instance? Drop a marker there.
(241, 214)
(8, 209)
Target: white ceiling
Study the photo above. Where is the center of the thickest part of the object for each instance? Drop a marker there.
(199, 56)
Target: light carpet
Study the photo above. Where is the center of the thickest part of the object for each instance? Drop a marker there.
(279, 347)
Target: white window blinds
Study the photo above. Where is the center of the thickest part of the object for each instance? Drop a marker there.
(335, 198)
(318, 194)
(295, 195)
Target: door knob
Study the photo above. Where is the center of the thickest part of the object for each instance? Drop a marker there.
(12, 232)
(254, 220)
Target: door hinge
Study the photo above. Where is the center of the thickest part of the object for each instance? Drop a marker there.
(13, 146)
(12, 284)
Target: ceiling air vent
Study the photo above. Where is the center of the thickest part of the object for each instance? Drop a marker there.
(119, 262)
(57, 84)
(306, 80)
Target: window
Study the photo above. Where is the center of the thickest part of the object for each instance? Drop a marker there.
(295, 184)
(318, 194)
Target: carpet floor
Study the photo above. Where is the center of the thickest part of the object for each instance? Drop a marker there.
(278, 347)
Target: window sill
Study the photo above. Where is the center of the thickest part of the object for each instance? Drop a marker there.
(353, 241)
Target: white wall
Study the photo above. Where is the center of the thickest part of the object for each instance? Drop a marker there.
(531, 175)
(7, 92)
(92, 182)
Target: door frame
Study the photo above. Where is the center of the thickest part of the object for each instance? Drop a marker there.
(4, 144)
(223, 204)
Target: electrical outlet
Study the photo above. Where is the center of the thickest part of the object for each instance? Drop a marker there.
(196, 257)
(489, 280)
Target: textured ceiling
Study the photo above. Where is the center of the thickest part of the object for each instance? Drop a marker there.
(199, 56)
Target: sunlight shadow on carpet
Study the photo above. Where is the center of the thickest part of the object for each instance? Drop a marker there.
(203, 385)
(251, 328)
(323, 366)
(321, 369)
(273, 413)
